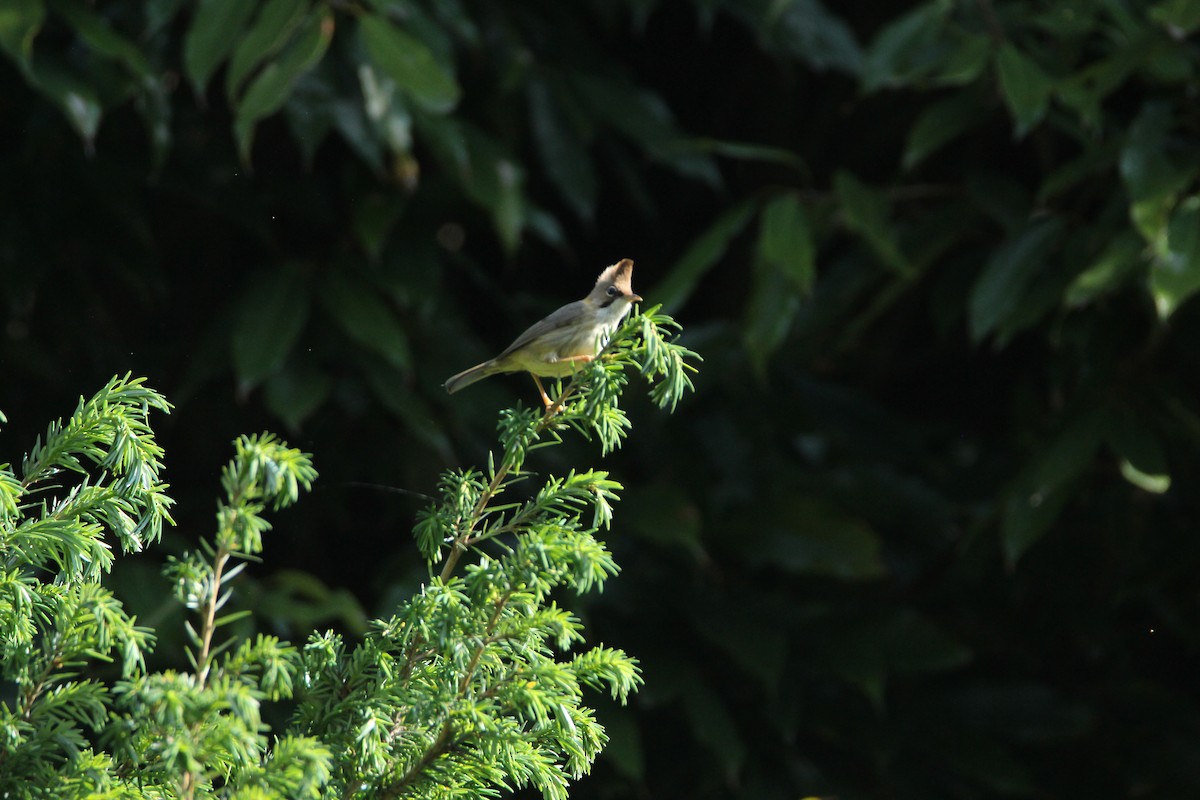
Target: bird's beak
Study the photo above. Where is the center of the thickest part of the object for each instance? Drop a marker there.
(635, 298)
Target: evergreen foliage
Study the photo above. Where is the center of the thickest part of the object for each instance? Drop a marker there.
(471, 687)
(926, 528)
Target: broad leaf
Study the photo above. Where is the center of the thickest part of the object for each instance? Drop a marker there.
(1025, 86)
(1180, 17)
(770, 311)
(940, 123)
(785, 241)
(102, 39)
(566, 161)
(272, 312)
(806, 30)
(818, 538)
(1143, 459)
(410, 63)
(75, 97)
(674, 290)
(360, 311)
(1123, 256)
(905, 49)
(297, 391)
(272, 87)
(1001, 287)
(1037, 495)
(20, 21)
(867, 211)
(274, 26)
(1152, 174)
(1175, 275)
(214, 31)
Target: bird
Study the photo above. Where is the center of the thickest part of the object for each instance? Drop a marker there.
(568, 338)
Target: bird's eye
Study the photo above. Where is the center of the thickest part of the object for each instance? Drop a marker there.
(613, 291)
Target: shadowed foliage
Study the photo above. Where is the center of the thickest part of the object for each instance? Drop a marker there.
(925, 527)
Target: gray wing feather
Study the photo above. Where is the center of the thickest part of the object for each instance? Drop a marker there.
(558, 319)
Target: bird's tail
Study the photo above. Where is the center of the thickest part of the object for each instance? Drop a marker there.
(469, 376)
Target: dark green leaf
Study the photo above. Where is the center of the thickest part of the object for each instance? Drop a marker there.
(374, 217)
(865, 651)
(273, 86)
(407, 61)
(297, 391)
(770, 311)
(272, 29)
(1175, 275)
(394, 390)
(848, 650)
(1123, 256)
(806, 30)
(316, 107)
(964, 61)
(161, 13)
(750, 635)
(214, 31)
(866, 211)
(821, 539)
(1180, 17)
(274, 307)
(714, 727)
(1145, 162)
(674, 290)
(386, 109)
(905, 49)
(1152, 171)
(940, 123)
(785, 242)
(1001, 287)
(911, 643)
(302, 601)
(20, 21)
(1040, 491)
(1092, 162)
(664, 515)
(310, 112)
(102, 39)
(625, 750)
(494, 179)
(77, 98)
(1153, 482)
(642, 117)
(1002, 197)
(359, 310)
(749, 151)
(1144, 461)
(1025, 87)
(564, 157)
(1021, 712)
(1086, 90)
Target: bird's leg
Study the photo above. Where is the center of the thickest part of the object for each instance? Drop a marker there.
(545, 397)
(580, 359)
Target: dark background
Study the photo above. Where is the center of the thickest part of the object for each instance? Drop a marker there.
(911, 537)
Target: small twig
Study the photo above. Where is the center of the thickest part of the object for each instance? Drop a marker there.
(439, 746)
(210, 616)
(462, 541)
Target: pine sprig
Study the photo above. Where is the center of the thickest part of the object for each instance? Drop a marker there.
(476, 685)
(89, 480)
(485, 692)
(207, 723)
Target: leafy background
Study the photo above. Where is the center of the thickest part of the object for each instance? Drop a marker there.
(925, 529)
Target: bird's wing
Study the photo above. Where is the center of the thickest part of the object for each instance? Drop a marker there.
(557, 319)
